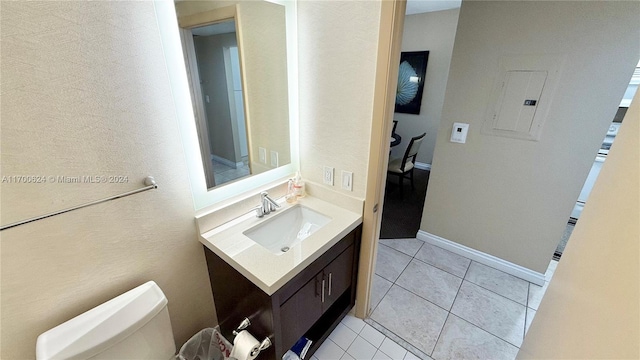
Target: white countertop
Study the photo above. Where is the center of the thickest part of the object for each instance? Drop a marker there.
(265, 269)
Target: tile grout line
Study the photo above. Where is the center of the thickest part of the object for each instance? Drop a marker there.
(449, 313)
(528, 283)
(499, 337)
(526, 313)
(457, 293)
(385, 294)
(493, 292)
(485, 330)
(440, 333)
(354, 339)
(363, 338)
(411, 292)
(459, 287)
(405, 267)
(418, 295)
(394, 283)
(465, 279)
(367, 341)
(412, 351)
(526, 302)
(427, 300)
(448, 272)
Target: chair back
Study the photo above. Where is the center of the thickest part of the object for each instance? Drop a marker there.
(412, 150)
(395, 125)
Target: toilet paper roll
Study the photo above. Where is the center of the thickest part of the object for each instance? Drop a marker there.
(245, 346)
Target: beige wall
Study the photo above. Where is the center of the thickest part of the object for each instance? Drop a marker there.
(435, 32)
(266, 67)
(337, 74)
(85, 92)
(591, 309)
(511, 198)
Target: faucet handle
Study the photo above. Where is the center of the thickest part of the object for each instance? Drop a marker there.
(259, 211)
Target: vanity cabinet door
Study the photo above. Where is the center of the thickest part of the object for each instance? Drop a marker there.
(301, 311)
(307, 305)
(337, 277)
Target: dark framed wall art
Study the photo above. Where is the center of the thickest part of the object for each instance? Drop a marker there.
(413, 67)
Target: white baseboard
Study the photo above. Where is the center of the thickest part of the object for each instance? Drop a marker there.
(423, 166)
(227, 162)
(483, 258)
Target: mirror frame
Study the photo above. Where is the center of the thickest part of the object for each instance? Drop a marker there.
(176, 69)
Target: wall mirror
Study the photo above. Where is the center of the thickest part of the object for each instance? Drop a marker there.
(213, 68)
(233, 70)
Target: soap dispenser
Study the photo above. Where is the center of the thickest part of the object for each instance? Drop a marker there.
(291, 196)
(298, 185)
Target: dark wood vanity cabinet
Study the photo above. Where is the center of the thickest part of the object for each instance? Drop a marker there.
(311, 304)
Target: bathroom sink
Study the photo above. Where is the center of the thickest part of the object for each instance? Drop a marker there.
(287, 228)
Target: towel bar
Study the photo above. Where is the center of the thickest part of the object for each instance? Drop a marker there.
(149, 181)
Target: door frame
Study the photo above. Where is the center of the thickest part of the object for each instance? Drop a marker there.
(392, 15)
(193, 75)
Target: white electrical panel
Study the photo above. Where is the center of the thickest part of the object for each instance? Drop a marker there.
(519, 100)
(522, 94)
(459, 133)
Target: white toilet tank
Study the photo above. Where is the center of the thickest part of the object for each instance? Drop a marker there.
(134, 325)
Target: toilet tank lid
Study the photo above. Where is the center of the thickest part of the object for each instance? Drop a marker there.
(92, 332)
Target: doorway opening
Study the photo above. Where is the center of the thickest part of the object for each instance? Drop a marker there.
(430, 30)
(222, 102)
(599, 160)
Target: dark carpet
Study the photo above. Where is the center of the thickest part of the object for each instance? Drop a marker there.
(401, 215)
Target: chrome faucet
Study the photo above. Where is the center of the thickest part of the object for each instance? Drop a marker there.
(267, 205)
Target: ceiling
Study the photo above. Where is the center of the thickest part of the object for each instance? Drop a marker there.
(413, 7)
(224, 27)
(422, 6)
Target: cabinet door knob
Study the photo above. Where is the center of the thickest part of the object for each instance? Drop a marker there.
(322, 290)
(329, 284)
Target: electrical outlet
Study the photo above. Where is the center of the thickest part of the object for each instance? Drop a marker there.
(263, 155)
(274, 159)
(327, 175)
(347, 180)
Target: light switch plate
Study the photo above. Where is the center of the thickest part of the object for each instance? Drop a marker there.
(327, 175)
(347, 180)
(274, 158)
(263, 154)
(459, 133)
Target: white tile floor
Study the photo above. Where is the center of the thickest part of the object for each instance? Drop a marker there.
(223, 173)
(429, 303)
(355, 339)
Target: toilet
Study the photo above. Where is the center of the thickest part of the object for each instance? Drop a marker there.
(134, 325)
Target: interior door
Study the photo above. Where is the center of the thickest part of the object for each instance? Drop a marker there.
(390, 39)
